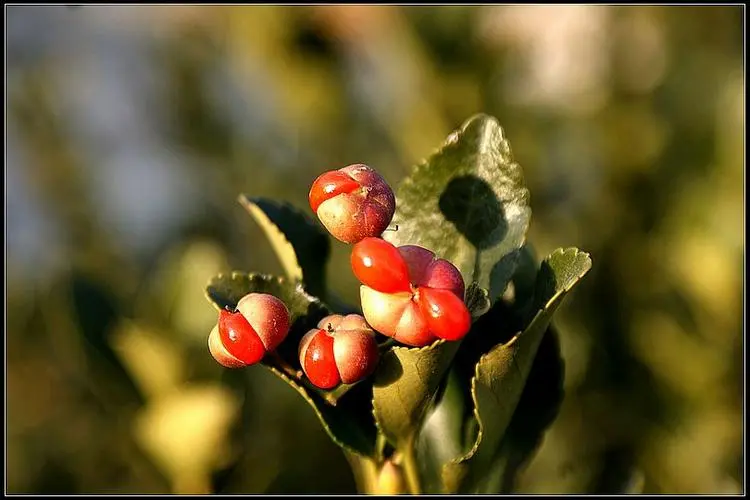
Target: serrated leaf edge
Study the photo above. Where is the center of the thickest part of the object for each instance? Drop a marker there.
(480, 431)
(303, 392)
(587, 267)
(457, 133)
(298, 288)
(513, 340)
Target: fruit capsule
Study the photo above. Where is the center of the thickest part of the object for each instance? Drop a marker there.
(243, 336)
(342, 349)
(353, 202)
(410, 294)
(379, 265)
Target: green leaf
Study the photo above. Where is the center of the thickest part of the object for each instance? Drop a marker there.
(537, 408)
(450, 424)
(557, 275)
(349, 424)
(500, 375)
(348, 419)
(301, 245)
(442, 436)
(405, 384)
(468, 204)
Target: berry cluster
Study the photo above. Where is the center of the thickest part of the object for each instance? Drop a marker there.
(408, 293)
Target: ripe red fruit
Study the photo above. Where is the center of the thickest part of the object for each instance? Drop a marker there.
(378, 264)
(447, 316)
(239, 338)
(353, 202)
(341, 349)
(220, 353)
(242, 337)
(430, 306)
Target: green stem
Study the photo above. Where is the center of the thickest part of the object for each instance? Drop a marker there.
(365, 473)
(380, 443)
(409, 463)
(276, 362)
(283, 366)
(382, 348)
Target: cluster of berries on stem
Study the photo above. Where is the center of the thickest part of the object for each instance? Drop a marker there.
(407, 293)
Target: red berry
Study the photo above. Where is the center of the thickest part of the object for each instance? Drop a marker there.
(239, 338)
(268, 316)
(318, 362)
(243, 337)
(329, 185)
(379, 265)
(220, 353)
(425, 269)
(443, 275)
(353, 202)
(417, 259)
(447, 315)
(341, 349)
(431, 307)
(395, 315)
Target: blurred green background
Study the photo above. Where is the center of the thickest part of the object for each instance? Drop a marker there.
(131, 131)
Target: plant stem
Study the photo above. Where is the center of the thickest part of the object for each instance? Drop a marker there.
(365, 473)
(296, 375)
(282, 365)
(380, 443)
(409, 463)
(382, 348)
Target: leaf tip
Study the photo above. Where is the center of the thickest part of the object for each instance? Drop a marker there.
(484, 126)
(243, 199)
(481, 120)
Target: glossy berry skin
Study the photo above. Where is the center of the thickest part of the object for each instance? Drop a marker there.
(379, 265)
(430, 308)
(239, 338)
(342, 349)
(243, 337)
(220, 353)
(353, 202)
(446, 315)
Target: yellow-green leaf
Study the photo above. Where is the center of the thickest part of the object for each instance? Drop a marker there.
(467, 203)
(500, 375)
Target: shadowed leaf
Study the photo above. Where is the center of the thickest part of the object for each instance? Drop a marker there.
(442, 436)
(477, 300)
(537, 408)
(405, 383)
(300, 244)
(467, 203)
(501, 374)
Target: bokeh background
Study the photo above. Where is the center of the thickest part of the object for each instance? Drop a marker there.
(131, 131)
